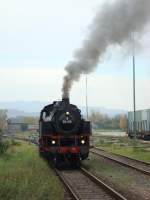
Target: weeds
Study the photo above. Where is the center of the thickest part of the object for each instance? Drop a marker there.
(124, 146)
(4, 145)
(23, 175)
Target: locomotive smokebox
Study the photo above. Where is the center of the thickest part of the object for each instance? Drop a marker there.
(66, 101)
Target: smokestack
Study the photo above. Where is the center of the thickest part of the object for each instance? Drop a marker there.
(113, 25)
(66, 101)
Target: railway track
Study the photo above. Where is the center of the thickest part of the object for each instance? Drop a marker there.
(21, 139)
(141, 166)
(82, 185)
(138, 165)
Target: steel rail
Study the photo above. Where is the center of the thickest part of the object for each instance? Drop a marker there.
(110, 191)
(132, 159)
(22, 139)
(107, 188)
(69, 188)
(100, 183)
(121, 162)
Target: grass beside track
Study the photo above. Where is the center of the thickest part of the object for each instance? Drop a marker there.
(127, 147)
(109, 171)
(23, 175)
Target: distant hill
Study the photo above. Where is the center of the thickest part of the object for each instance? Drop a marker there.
(33, 108)
(108, 111)
(26, 106)
(13, 113)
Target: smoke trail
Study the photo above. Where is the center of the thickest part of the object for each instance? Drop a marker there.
(112, 25)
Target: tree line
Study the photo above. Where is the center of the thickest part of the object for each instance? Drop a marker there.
(103, 121)
(3, 120)
(99, 121)
(3, 125)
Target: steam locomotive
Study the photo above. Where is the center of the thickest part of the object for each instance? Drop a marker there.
(64, 134)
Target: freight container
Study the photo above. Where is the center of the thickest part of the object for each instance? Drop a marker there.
(141, 127)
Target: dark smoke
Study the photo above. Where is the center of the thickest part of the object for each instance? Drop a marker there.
(112, 25)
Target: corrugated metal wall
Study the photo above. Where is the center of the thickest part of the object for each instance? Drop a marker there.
(142, 120)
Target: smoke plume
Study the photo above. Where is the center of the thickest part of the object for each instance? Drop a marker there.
(112, 25)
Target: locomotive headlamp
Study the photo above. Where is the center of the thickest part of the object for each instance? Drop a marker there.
(82, 141)
(67, 113)
(53, 142)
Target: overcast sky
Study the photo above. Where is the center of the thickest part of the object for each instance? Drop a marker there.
(38, 38)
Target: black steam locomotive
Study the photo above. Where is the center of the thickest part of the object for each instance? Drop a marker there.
(64, 134)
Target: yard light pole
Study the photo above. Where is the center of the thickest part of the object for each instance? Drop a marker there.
(134, 92)
(86, 96)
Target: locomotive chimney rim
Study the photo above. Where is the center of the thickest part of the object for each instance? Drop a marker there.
(66, 100)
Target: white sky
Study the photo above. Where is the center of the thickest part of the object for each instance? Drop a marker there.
(38, 38)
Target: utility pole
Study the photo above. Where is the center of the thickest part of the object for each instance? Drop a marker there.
(86, 95)
(134, 91)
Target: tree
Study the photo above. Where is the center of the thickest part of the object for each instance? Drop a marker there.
(30, 120)
(3, 120)
(3, 125)
(103, 121)
(123, 122)
(98, 119)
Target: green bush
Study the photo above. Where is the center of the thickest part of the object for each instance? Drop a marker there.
(15, 143)
(4, 145)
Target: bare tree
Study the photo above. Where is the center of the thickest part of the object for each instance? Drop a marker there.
(3, 121)
(123, 122)
(30, 120)
(103, 121)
